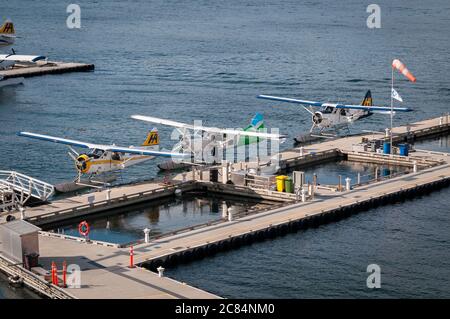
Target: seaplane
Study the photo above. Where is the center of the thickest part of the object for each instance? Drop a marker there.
(107, 158)
(336, 116)
(7, 38)
(206, 144)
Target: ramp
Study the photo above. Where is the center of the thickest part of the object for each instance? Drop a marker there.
(17, 189)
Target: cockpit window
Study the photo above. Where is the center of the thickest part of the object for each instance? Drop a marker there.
(327, 109)
(96, 153)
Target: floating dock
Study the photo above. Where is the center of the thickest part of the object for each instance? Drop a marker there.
(48, 67)
(105, 266)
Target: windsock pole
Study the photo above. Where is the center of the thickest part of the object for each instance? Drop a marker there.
(392, 107)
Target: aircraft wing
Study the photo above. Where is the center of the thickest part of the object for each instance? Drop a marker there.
(207, 129)
(376, 109)
(112, 148)
(22, 58)
(289, 100)
(157, 120)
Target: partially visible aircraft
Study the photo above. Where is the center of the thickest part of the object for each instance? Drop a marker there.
(7, 34)
(336, 116)
(106, 158)
(205, 144)
(7, 38)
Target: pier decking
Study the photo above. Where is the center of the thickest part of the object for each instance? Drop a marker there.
(104, 267)
(47, 68)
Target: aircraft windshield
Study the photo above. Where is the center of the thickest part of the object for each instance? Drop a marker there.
(96, 153)
(327, 109)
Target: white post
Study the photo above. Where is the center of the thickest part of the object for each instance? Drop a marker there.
(230, 214)
(303, 192)
(147, 235)
(108, 194)
(224, 210)
(160, 271)
(184, 176)
(224, 171)
(22, 212)
(359, 178)
(347, 183)
(441, 120)
(387, 132)
(301, 150)
(415, 166)
(194, 173)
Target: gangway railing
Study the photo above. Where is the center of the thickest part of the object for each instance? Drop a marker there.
(24, 187)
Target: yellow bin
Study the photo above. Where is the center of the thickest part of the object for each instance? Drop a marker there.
(280, 182)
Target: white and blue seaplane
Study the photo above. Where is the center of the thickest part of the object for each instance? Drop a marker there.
(336, 116)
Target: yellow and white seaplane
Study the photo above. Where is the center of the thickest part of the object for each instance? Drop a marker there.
(108, 158)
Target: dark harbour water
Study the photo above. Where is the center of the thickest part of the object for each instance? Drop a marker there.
(208, 60)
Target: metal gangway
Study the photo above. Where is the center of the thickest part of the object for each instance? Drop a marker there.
(16, 189)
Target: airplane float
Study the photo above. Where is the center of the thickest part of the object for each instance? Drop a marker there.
(336, 116)
(108, 158)
(206, 144)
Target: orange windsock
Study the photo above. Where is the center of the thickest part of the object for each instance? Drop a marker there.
(397, 64)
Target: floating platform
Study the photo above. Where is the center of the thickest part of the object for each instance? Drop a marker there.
(105, 267)
(49, 67)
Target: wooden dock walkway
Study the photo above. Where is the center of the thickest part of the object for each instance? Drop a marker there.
(190, 245)
(47, 68)
(105, 273)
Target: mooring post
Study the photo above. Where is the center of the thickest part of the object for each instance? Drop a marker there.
(415, 166)
(194, 173)
(184, 176)
(303, 192)
(387, 132)
(160, 270)
(230, 214)
(225, 171)
(147, 235)
(224, 210)
(348, 183)
(441, 120)
(340, 183)
(301, 150)
(359, 178)
(376, 173)
(108, 194)
(22, 212)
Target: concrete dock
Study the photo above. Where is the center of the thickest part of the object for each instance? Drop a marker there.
(48, 67)
(105, 269)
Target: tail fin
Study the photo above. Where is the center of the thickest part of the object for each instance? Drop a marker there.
(257, 121)
(152, 138)
(367, 101)
(7, 28)
(256, 124)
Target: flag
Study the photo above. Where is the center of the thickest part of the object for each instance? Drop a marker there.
(396, 96)
(397, 64)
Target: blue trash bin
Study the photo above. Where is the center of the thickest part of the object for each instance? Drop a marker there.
(387, 148)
